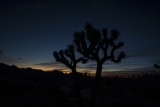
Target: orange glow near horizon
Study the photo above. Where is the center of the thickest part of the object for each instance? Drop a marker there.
(66, 70)
(39, 67)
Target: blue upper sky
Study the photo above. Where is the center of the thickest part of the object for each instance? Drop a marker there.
(31, 30)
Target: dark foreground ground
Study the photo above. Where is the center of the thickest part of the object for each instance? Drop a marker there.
(35, 88)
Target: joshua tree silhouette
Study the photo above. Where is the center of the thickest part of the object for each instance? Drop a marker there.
(67, 57)
(89, 43)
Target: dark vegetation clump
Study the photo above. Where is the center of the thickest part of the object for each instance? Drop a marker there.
(35, 88)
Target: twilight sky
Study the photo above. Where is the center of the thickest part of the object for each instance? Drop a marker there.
(31, 30)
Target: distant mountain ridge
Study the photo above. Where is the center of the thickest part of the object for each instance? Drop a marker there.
(13, 67)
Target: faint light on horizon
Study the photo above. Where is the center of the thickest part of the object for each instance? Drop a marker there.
(66, 72)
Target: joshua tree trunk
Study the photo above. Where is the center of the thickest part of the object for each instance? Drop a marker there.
(97, 82)
(79, 96)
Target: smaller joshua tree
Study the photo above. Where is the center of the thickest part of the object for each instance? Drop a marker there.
(68, 58)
